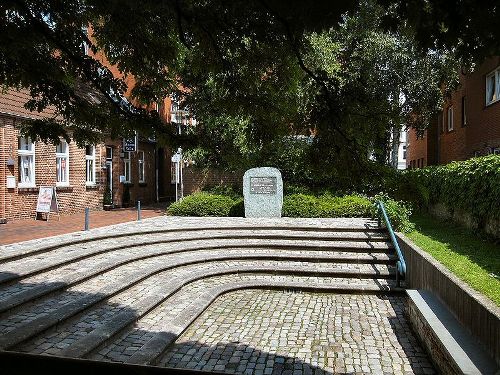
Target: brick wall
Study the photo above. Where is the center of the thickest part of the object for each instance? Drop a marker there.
(416, 153)
(479, 135)
(20, 203)
(195, 179)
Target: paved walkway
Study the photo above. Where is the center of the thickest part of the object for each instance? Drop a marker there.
(272, 332)
(23, 230)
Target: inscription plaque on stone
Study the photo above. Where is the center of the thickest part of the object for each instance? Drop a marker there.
(262, 185)
(263, 192)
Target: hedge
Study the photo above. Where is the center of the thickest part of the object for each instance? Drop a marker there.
(295, 205)
(204, 204)
(472, 185)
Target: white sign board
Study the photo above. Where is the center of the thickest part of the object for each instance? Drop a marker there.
(47, 200)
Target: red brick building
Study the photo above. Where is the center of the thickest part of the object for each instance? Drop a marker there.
(80, 175)
(469, 124)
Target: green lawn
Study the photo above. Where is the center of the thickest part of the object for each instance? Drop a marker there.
(475, 261)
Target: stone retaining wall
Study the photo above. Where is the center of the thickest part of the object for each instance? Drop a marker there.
(429, 339)
(479, 315)
(443, 212)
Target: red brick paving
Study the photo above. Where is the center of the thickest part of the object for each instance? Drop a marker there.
(22, 230)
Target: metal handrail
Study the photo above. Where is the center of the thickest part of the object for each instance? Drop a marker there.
(400, 264)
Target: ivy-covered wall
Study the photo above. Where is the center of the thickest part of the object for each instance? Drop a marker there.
(466, 191)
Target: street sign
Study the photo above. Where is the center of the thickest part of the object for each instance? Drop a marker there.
(130, 144)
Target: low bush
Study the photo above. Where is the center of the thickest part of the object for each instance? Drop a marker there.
(302, 205)
(399, 213)
(296, 205)
(203, 204)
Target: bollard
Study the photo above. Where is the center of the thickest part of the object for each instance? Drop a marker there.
(87, 214)
(138, 210)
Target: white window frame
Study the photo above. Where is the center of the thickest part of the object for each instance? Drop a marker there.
(141, 166)
(449, 118)
(127, 167)
(493, 92)
(60, 156)
(90, 166)
(29, 155)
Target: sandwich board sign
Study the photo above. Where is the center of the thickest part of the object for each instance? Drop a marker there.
(47, 201)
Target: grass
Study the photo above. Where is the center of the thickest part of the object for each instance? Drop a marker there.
(474, 260)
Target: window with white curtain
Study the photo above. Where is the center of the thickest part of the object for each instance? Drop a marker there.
(62, 164)
(140, 164)
(493, 86)
(26, 162)
(450, 118)
(126, 167)
(90, 165)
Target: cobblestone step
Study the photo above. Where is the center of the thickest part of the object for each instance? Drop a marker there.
(17, 294)
(18, 269)
(151, 351)
(341, 229)
(24, 331)
(79, 346)
(159, 319)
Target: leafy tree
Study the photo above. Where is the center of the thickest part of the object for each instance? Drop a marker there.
(270, 65)
(358, 84)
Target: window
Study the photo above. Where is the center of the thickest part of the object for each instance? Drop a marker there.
(90, 165)
(493, 86)
(450, 118)
(62, 164)
(26, 154)
(464, 111)
(140, 163)
(126, 167)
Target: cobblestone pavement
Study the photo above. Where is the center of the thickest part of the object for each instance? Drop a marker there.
(272, 332)
(126, 292)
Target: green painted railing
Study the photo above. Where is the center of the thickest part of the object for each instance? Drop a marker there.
(400, 264)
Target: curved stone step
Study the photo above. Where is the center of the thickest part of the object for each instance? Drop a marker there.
(18, 294)
(34, 326)
(151, 351)
(152, 227)
(18, 269)
(86, 343)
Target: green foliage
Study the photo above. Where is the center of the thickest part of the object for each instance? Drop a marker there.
(300, 205)
(228, 190)
(204, 204)
(472, 185)
(398, 212)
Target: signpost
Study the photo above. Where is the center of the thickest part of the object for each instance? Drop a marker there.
(47, 201)
(177, 161)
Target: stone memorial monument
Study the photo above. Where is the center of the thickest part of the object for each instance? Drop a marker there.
(263, 192)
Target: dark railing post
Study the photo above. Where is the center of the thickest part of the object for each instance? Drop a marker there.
(87, 218)
(139, 211)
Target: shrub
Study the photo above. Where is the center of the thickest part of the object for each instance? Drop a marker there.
(203, 204)
(227, 190)
(472, 185)
(399, 213)
(300, 205)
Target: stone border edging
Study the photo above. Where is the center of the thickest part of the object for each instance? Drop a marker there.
(479, 315)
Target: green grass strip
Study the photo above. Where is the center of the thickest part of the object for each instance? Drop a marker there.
(473, 259)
